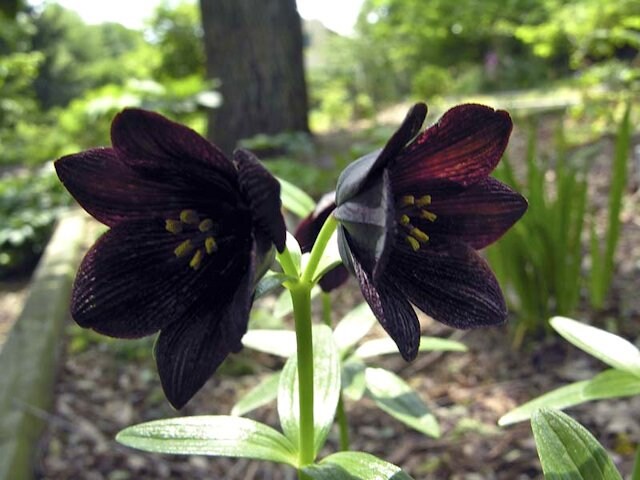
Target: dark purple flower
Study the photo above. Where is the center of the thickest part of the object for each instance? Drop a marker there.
(190, 233)
(412, 215)
(308, 231)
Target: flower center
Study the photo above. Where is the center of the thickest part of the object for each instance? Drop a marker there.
(411, 207)
(202, 240)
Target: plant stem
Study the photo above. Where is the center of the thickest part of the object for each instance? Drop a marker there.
(636, 466)
(301, 297)
(287, 263)
(319, 246)
(343, 425)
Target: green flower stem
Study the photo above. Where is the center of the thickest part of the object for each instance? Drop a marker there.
(636, 466)
(301, 297)
(343, 425)
(319, 246)
(287, 263)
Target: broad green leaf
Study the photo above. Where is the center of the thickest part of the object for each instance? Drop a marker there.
(268, 284)
(281, 343)
(385, 346)
(284, 306)
(611, 349)
(211, 435)
(354, 466)
(353, 383)
(258, 396)
(353, 327)
(326, 381)
(608, 384)
(394, 396)
(295, 200)
(568, 451)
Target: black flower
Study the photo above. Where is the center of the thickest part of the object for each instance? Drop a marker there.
(190, 231)
(412, 215)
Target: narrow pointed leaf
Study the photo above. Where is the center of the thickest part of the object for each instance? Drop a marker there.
(268, 284)
(354, 466)
(295, 200)
(326, 383)
(385, 346)
(263, 393)
(394, 396)
(611, 349)
(568, 451)
(608, 384)
(355, 325)
(281, 343)
(210, 435)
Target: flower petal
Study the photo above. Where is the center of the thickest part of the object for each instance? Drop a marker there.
(262, 192)
(359, 172)
(111, 191)
(463, 147)
(188, 352)
(392, 310)
(454, 286)
(146, 139)
(478, 215)
(131, 284)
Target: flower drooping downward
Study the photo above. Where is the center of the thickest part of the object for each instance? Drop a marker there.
(190, 232)
(412, 215)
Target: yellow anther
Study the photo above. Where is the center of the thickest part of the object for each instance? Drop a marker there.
(196, 260)
(173, 226)
(424, 201)
(419, 235)
(413, 243)
(210, 245)
(428, 215)
(408, 200)
(404, 220)
(205, 225)
(183, 249)
(190, 217)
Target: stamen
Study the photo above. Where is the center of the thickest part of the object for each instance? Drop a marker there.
(183, 249)
(408, 200)
(173, 226)
(189, 217)
(196, 260)
(419, 235)
(413, 243)
(205, 225)
(423, 201)
(428, 215)
(210, 245)
(404, 220)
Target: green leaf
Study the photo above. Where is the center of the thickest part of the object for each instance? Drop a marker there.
(263, 393)
(611, 349)
(326, 388)
(268, 284)
(568, 451)
(353, 383)
(330, 258)
(354, 466)
(211, 435)
(394, 396)
(608, 384)
(296, 253)
(281, 343)
(385, 346)
(295, 200)
(355, 325)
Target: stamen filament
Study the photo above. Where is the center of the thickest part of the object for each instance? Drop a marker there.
(196, 260)
(419, 235)
(426, 214)
(413, 243)
(423, 201)
(183, 249)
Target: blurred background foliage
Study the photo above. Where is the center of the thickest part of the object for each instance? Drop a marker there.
(62, 80)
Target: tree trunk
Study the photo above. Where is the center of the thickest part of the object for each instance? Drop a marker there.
(254, 48)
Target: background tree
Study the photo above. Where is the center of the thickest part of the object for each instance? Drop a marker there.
(254, 48)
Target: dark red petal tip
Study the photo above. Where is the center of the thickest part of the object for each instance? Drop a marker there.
(262, 192)
(463, 148)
